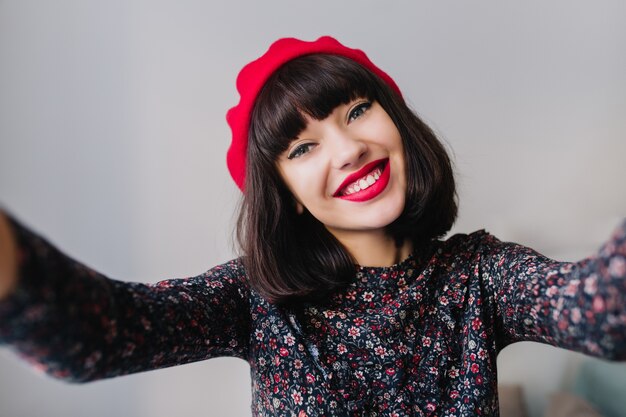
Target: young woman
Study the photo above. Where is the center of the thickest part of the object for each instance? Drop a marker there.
(345, 302)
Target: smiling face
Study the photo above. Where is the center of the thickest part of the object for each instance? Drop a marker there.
(348, 169)
(332, 136)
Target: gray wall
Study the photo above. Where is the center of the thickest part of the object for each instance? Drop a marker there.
(112, 142)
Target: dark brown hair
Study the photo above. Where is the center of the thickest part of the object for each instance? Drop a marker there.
(290, 256)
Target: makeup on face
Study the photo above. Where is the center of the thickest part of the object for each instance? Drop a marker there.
(347, 170)
(365, 184)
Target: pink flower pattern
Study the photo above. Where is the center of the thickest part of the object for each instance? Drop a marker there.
(419, 338)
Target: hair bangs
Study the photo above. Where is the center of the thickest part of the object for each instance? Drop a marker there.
(311, 86)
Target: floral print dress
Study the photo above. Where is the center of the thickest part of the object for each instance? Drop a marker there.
(419, 338)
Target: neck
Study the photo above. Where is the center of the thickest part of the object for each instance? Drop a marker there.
(373, 248)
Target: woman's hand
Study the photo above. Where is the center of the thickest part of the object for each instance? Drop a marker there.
(8, 258)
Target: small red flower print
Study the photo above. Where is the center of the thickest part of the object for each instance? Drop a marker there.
(329, 314)
(297, 397)
(475, 368)
(591, 284)
(482, 353)
(476, 323)
(368, 296)
(598, 304)
(283, 352)
(359, 321)
(572, 287)
(215, 284)
(552, 291)
(390, 371)
(354, 332)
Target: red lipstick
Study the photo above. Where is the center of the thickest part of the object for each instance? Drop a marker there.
(371, 191)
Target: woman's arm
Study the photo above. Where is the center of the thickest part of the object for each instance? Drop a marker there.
(79, 325)
(8, 258)
(579, 306)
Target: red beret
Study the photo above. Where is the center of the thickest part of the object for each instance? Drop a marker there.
(253, 76)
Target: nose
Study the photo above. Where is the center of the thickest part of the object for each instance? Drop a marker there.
(347, 151)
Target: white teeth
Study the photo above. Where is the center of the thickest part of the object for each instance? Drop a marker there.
(363, 183)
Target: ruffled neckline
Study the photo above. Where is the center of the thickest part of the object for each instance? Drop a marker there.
(382, 269)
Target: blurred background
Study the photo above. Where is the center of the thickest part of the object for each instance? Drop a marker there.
(113, 141)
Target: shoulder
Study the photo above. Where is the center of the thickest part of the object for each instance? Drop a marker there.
(232, 276)
(226, 278)
(464, 243)
(233, 268)
(478, 249)
(231, 272)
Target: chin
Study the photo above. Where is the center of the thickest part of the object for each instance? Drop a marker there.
(384, 219)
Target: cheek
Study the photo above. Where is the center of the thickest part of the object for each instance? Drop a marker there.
(302, 183)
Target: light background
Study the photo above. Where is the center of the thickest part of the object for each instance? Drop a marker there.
(112, 143)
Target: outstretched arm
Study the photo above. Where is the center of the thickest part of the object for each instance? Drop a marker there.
(79, 325)
(579, 306)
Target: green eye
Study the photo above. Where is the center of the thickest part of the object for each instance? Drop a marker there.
(358, 111)
(300, 150)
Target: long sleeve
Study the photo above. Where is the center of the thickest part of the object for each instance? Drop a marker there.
(578, 306)
(79, 325)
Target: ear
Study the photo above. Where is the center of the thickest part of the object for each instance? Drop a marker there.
(299, 207)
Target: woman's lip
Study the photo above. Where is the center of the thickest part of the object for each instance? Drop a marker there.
(360, 174)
